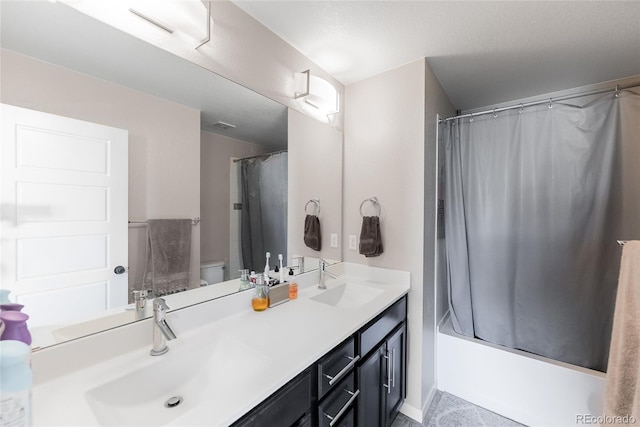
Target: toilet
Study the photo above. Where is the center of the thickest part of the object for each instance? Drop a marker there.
(211, 272)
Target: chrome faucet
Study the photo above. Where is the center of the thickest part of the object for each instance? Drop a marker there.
(300, 264)
(161, 329)
(140, 301)
(323, 273)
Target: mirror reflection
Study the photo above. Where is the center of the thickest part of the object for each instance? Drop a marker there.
(197, 147)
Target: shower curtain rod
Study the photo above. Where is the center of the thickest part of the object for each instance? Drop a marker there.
(260, 155)
(550, 101)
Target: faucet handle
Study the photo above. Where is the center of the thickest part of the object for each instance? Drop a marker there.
(160, 304)
(140, 295)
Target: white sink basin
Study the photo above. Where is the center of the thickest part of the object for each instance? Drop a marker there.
(186, 371)
(347, 295)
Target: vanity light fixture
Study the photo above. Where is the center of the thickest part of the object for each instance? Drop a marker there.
(317, 93)
(180, 16)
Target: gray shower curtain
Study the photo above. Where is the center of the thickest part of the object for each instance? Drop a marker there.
(264, 210)
(535, 200)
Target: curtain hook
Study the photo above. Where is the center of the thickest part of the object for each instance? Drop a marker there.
(617, 91)
(521, 109)
(471, 119)
(494, 113)
(550, 103)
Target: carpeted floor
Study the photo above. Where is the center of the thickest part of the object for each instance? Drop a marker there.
(448, 410)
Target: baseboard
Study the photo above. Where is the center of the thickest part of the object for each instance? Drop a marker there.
(427, 402)
(411, 412)
(415, 413)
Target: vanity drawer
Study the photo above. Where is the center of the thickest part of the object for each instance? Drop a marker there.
(286, 407)
(335, 366)
(338, 408)
(372, 334)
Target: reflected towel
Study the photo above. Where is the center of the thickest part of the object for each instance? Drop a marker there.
(312, 232)
(168, 256)
(622, 397)
(370, 236)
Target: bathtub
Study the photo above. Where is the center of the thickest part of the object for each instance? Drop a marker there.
(530, 389)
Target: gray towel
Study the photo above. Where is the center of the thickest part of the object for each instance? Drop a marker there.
(312, 232)
(168, 256)
(370, 237)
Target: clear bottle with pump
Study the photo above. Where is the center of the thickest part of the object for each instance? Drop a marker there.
(245, 282)
(260, 300)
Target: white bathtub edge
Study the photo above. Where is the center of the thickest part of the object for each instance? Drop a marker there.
(531, 390)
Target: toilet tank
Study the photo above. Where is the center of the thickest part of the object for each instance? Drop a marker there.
(212, 272)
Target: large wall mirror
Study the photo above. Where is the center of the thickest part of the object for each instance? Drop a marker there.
(195, 141)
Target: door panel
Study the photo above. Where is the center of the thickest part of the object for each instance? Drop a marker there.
(64, 213)
(370, 401)
(395, 397)
(61, 203)
(39, 148)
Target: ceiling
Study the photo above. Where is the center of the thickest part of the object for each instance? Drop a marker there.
(61, 35)
(483, 52)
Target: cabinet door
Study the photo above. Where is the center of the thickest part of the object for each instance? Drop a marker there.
(395, 377)
(370, 379)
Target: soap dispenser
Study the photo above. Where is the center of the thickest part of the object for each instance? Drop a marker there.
(293, 285)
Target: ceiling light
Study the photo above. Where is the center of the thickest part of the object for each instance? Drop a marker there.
(317, 93)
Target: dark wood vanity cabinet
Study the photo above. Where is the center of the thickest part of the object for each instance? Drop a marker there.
(382, 371)
(288, 406)
(361, 382)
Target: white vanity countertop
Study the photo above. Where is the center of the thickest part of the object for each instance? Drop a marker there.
(243, 357)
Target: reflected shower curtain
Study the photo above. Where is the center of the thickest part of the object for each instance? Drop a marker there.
(535, 201)
(264, 210)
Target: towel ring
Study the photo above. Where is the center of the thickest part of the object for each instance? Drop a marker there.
(374, 201)
(316, 202)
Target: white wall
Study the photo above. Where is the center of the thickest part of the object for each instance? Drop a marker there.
(215, 180)
(389, 120)
(164, 141)
(315, 171)
(384, 157)
(436, 102)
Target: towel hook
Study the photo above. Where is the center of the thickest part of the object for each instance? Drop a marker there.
(374, 201)
(317, 203)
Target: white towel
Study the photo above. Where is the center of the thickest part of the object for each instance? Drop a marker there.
(622, 398)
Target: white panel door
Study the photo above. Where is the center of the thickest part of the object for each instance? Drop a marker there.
(63, 215)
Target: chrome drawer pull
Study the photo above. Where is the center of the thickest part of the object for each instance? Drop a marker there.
(344, 409)
(339, 375)
(388, 384)
(393, 367)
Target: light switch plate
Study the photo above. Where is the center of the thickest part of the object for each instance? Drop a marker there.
(334, 240)
(353, 242)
